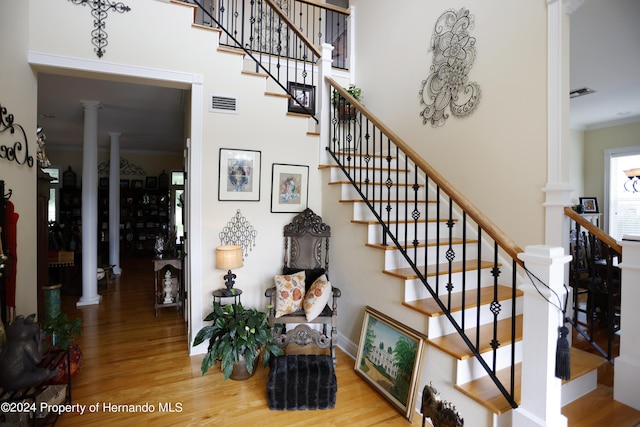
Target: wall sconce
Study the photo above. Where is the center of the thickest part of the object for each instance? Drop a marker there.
(229, 257)
(634, 178)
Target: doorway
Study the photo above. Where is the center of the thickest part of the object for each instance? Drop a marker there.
(192, 112)
(622, 198)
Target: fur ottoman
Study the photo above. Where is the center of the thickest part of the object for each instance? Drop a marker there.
(304, 381)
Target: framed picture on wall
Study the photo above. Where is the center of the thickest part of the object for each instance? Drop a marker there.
(239, 177)
(590, 204)
(390, 359)
(136, 184)
(289, 188)
(303, 100)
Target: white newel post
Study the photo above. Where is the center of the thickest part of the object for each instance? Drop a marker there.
(324, 99)
(540, 397)
(627, 364)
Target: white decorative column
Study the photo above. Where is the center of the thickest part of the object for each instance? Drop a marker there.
(114, 202)
(627, 372)
(90, 205)
(540, 397)
(557, 189)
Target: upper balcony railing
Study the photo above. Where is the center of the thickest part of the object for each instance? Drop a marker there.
(254, 25)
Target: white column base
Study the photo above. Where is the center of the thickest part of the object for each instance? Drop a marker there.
(626, 378)
(524, 418)
(89, 301)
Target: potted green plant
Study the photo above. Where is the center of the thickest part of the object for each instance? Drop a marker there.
(237, 336)
(346, 111)
(60, 333)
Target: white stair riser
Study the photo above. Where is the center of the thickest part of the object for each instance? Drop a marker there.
(373, 192)
(395, 259)
(397, 210)
(375, 231)
(470, 369)
(415, 290)
(372, 174)
(440, 325)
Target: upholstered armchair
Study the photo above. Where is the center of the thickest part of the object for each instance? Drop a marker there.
(303, 295)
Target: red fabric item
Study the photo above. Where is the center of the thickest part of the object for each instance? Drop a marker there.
(11, 238)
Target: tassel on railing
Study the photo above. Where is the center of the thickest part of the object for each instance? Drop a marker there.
(563, 354)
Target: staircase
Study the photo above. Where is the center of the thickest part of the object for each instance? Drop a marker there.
(470, 377)
(456, 268)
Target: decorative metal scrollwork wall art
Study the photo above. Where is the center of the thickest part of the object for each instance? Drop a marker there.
(454, 52)
(239, 232)
(99, 9)
(14, 153)
(126, 168)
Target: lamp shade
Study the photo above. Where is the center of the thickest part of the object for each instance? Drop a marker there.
(228, 257)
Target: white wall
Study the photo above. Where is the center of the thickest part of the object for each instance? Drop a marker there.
(496, 154)
(18, 96)
(191, 53)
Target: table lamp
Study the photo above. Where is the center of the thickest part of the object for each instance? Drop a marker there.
(227, 258)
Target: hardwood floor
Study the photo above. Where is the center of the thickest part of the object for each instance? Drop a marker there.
(130, 357)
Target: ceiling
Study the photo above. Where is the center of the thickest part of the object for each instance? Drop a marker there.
(149, 118)
(605, 57)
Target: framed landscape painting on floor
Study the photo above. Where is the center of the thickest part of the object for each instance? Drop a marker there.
(390, 359)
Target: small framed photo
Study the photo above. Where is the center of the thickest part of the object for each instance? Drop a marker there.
(303, 99)
(239, 175)
(289, 188)
(590, 204)
(390, 359)
(136, 184)
(103, 183)
(151, 182)
(124, 183)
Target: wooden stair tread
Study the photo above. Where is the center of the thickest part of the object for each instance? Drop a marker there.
(454, 345)
(484, 391)
(255, 73)
(421, 244)
(229, 49)
(599, 408)
(429, 307)
(407, 273)
(583, 362)
(278, 94)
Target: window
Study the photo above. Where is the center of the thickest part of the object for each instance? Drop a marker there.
(623, 214)
(54, 173)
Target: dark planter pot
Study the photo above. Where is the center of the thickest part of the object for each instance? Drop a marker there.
(240, 371)
(346, 112)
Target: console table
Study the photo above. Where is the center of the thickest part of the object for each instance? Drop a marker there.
(175, 296)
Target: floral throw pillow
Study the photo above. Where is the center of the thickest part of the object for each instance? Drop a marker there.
(289, 293)
(317, 297)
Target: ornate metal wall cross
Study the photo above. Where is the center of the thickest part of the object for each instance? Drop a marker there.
(99, 9)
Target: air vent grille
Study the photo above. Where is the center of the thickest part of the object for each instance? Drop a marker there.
(223, 104)
(580, 92)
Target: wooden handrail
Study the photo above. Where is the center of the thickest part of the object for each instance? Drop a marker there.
(596, 231)
(326, 6)
(485, 223)
(293, 28)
